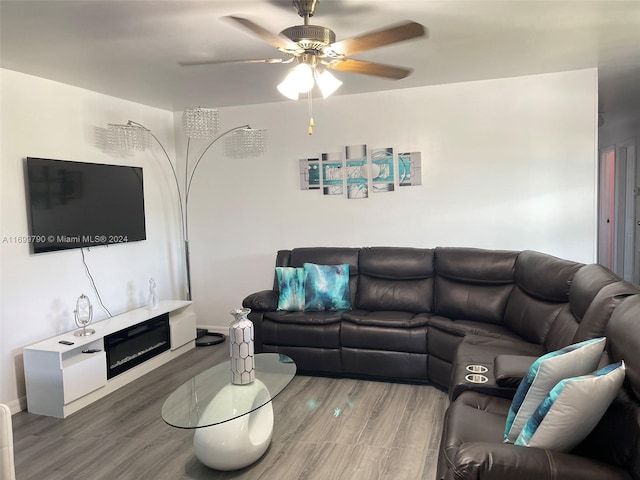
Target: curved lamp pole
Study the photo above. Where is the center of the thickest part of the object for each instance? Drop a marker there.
(134, 135)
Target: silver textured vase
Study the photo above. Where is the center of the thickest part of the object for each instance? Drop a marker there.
(243, 369)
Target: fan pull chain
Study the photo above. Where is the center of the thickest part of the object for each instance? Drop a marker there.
(311, 123)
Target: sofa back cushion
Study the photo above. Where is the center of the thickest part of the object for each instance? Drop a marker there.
(615, 437)
(395, 279)
(473, 284)
(283, 259)
(595, 319)
(540, 295)
(322, 256)
(594, 293)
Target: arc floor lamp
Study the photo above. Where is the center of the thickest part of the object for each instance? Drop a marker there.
(239, 142)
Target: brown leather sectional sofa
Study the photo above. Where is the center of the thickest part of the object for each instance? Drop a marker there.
(424, 315)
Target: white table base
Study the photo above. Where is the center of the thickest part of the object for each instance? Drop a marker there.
(239, 442)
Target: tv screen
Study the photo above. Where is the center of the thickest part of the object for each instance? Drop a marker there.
(78, 204)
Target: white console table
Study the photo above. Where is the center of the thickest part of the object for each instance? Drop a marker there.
(60, 379)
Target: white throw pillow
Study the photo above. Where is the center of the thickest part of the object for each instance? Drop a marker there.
(572, 409)
(570, 361)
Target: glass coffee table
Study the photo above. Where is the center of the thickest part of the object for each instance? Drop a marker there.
(233, 423)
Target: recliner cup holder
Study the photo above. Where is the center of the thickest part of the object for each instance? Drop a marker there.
(476, 378)
(477, 369)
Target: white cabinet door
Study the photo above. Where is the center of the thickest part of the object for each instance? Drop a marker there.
(83, 374)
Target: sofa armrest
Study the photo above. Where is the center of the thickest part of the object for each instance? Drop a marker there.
(511, 369)
(264, 300)
(491, 461)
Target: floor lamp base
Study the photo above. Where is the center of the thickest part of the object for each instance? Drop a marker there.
(205, 338)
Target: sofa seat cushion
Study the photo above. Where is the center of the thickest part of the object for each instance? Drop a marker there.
(389, 331)
(483, 350)
(386, 318)
(445, 335)
(462, 328)
(325, 317)
(302, 329)
(473, 417)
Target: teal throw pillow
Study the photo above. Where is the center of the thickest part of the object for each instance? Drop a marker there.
(572, 409)
(570, 361)
(291, 287)
(326, 287)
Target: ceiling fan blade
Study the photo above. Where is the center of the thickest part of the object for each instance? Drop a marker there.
(217, 62)
(278, 41)
(370, 68)
(378, 38)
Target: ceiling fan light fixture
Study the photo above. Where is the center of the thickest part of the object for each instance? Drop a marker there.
(327, 82)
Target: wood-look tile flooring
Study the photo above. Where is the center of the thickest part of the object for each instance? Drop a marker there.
(325, 429)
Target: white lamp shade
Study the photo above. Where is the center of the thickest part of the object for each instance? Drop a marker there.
(327, 82)
(298, 80)
(288, 87)
(303, 75)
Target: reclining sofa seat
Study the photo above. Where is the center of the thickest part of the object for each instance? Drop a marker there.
(514, 296)
(385, 333)
(593, 295)
(312, 339)
(472, 446)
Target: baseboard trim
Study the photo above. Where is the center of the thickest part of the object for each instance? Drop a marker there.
(17, 406)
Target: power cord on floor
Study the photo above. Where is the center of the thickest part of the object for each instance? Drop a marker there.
(93, 283)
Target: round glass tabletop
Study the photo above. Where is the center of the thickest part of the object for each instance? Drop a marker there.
(187, 406)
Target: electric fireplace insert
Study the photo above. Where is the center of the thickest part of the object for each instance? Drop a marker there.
(130, 347)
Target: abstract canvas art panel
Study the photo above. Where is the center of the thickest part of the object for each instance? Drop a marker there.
(309, 173)
(382, 171)
(409, 169)
(332, 173)
(357, 171)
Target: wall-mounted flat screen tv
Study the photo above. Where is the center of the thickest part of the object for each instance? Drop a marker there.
(79, 204)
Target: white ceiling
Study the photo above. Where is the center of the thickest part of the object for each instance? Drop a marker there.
(131, 48)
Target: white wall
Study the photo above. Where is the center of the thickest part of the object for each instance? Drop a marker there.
(38, 292)
(507, 164)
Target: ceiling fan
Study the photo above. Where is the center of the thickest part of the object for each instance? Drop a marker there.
(315, 51)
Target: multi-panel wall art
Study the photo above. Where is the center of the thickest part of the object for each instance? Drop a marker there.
(359, 172)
